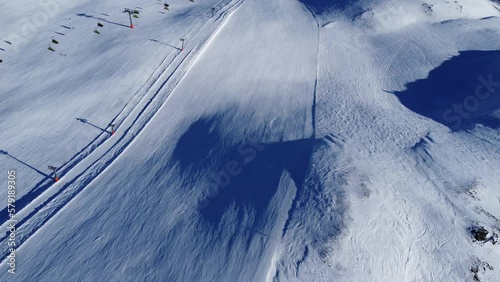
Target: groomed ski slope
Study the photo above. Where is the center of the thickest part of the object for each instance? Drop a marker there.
(114, 71)
(46, 198)
(287, 142)
(250, 84)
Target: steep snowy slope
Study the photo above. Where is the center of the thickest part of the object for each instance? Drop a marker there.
(246, 100)
(290, 141)
(51, 113)
(399, 189)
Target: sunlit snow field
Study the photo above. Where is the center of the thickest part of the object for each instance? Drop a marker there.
(289, 140)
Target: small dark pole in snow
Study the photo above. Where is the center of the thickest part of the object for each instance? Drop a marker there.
(54, 169)
(112, 128)
(213, 12)
(130, 13)
(182, 42)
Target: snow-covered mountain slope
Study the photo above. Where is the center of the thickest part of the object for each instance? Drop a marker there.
(403, 185)
(289, 141)
(115, 70)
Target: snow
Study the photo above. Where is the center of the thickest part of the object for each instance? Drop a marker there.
(289, 141)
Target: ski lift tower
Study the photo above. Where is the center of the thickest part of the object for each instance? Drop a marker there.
(131, 13)
(182, 42)
(54, 169)
(112, 128)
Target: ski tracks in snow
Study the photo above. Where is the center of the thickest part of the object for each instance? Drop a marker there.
(87, 165)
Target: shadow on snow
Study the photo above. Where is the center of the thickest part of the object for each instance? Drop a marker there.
(462, 92)
(244, 175)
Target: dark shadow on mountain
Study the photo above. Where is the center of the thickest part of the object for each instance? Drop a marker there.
(347, 7)
(251, 176)
(491, 120)
(322, 5)
(246, 175)
(193, 148)
(460, 93)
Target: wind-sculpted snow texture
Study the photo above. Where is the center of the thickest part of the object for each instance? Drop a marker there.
(289, 141)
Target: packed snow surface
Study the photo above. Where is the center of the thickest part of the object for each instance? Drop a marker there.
(284, 140)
